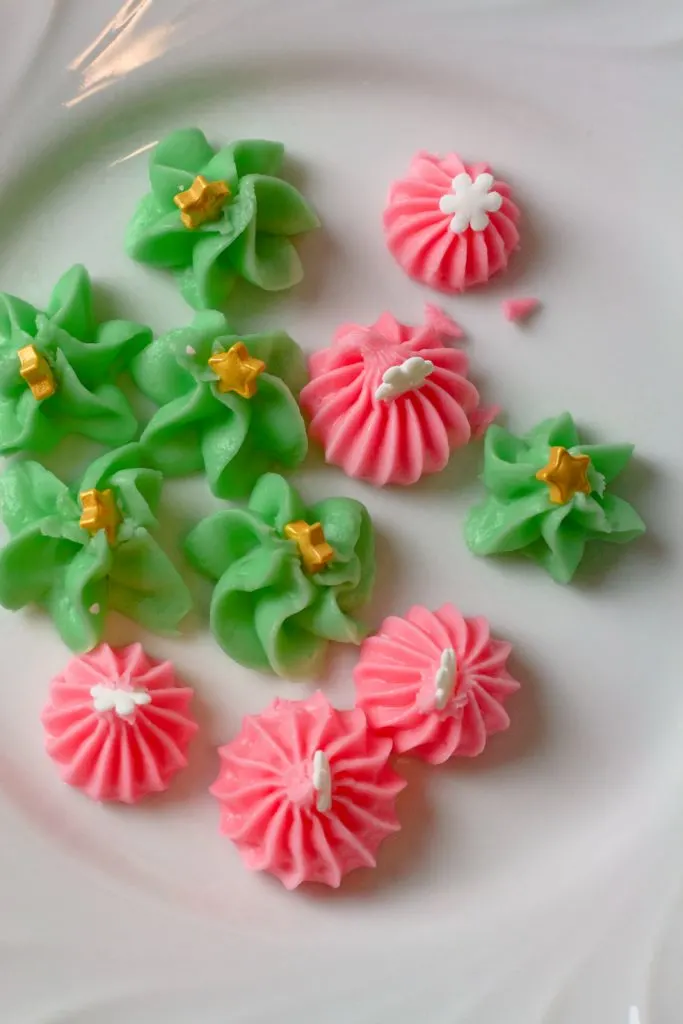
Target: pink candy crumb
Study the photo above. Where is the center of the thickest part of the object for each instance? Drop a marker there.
(517, 310)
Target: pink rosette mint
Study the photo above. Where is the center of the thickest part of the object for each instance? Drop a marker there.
(435, 682)
(306, 791)
(117, 723)
(450, 224)
(388, 402)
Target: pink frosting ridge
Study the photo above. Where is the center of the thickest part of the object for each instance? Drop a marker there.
(118, 724)
(435, 682)
(301, 825)
(398, 439)
(419, 234)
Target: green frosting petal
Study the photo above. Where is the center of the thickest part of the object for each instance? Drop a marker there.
(275, 501)
(102, 414)
(324, 617)
(16, 316)
(269, 262)
(77, 599)
(498, 526)
(266, 611)
(223, 167)
(23, 426)
(145, 585)
(349, 530)
(589, 514)
(257, 156)
(166, 182)
(250, 235)
(82, 357)
(115, 343)
(173, 437)
(70, 305)
(558, 431)
(608, 460)
(138, 491)
(224, 538)
(75, 576)
(233, 439)
(28, 566)
(159, 237)
(563, 545)
(164, 370)
(30, 493)
(281, 209)
(185, 149)
(252, 610)
(277, 429)
(100, 472)
(282, 356)
(509, 464)
(207, 282)
(230, 454)
(518, 515)
(214, 271)
(623, 521)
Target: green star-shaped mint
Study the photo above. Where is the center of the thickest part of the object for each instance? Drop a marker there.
(519, 513)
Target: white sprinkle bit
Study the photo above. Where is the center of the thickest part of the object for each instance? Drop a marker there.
(408, 376)
(444, 681)
(322, 781)
(123, 702)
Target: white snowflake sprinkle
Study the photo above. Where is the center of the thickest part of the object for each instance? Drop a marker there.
(470, 202)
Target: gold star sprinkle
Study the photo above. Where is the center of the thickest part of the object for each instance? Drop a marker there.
(99, 513)
(202, 201)
(33, 367)
(565, 474)
(314, 550)
(236, 370)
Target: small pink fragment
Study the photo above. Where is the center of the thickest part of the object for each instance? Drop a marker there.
(94, 609)
(440, 320)
(481, 419)
(517, 310)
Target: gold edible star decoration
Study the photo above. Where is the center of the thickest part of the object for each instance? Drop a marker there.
(33, 367)
(314, 550)
(99, 513)
(565, 474)
(236, 370)
(202, 201)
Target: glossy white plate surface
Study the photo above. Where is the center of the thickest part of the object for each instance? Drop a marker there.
(540, 884)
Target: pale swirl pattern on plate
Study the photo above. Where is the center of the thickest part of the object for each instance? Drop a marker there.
(420, 234)
(117, 723)
(400, 683)
(270, 796)
(400, 438)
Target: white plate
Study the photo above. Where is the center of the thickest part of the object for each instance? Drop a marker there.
(540, 883)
